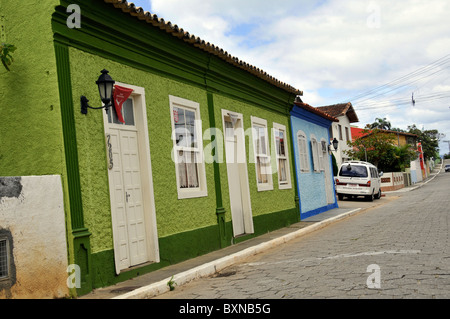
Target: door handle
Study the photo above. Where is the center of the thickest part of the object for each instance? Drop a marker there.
(127, 196)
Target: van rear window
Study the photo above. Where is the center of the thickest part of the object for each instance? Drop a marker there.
(353, 171)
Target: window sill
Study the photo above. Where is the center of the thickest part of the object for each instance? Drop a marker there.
(186, 193)
(284, 186)
(265, 187)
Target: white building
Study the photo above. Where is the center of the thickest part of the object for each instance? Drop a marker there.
(341, 130)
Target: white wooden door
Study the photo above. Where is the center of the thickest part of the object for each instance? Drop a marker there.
(133, 197)
(235, 155)
(129, 223)
(235, 189)
(133, 214)
(118, 209)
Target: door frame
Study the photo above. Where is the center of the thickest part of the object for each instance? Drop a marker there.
(148, 200)
(326, 164)
(244, 182)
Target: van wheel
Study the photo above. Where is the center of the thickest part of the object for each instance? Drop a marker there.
(378, 196)
(341, 197)
(370, 197)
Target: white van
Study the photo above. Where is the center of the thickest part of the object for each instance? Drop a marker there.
(357, 178)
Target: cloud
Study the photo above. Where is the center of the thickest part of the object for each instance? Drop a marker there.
(334, 50)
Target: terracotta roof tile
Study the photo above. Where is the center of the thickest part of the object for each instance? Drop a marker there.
(316, 111)
(341, 109)
(153, 19)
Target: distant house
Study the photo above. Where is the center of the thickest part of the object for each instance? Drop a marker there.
(313, 164)
(341, 130)
(417, 167)
(356, 132)
(401, 138)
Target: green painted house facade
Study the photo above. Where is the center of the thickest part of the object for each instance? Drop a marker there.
(202, 161)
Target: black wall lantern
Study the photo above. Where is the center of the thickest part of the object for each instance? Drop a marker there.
(335, 144)
(105, 87)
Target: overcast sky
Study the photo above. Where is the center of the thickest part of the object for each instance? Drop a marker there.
(336, 51)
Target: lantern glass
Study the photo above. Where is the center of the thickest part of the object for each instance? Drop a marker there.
(105, 86)
(335, 144)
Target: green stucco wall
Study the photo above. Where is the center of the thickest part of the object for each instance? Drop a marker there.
(30, 132)
(263, 202)
(173, 215)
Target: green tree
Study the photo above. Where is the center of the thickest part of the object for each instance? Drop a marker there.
(396, 129)
(377, 147)
(382, 124)
(403, 156)
(5, 54)
(429, 140)
(374, 146)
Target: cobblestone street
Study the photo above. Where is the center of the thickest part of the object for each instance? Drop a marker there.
(403, 243)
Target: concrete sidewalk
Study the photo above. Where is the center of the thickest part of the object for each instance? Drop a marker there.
(155, 283)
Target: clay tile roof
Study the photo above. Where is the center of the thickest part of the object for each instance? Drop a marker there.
(153, 19)
(337, 110)
(315, 110)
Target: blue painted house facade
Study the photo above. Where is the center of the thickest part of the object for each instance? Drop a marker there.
(313, 164)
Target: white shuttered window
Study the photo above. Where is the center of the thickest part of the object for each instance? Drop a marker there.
(303, 152)
(262, 154)
(281, 147)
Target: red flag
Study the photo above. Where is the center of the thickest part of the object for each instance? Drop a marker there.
(121, 94)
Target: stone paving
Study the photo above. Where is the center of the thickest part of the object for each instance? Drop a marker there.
(400, 249)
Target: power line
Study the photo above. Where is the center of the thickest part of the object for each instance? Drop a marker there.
(405, 80)
(388, 103)
(398, 104)
(437, 63)
(397, 88)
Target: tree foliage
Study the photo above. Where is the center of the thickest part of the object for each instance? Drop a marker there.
(429, 140)
(377, 148)
(382, 124)
(5, 54)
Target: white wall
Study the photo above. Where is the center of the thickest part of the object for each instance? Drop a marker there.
(339, 154)
(32, 215)
(415, 166)
(392, 181)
